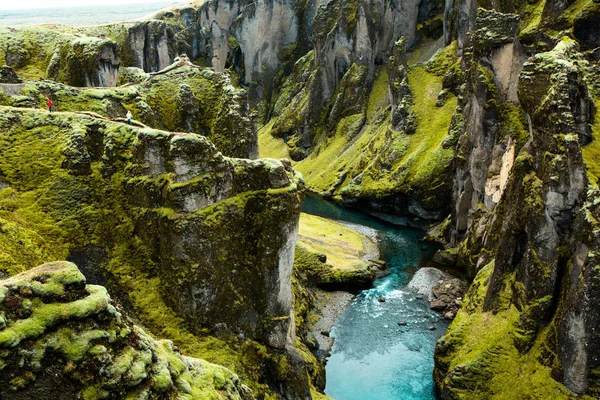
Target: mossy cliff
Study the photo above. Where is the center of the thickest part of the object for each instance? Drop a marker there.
(361, 155)
(524, 221)
(498, 130)
(61, 338)
(49, 52)
(164, 209)
(185, 98)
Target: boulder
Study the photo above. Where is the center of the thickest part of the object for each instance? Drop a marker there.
(83, 346)
(425, 279)
(8, 75)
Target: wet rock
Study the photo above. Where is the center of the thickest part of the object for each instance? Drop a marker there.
(381, 299)
(447, 296)
(425, 279)
(585, 29)
(446, 258)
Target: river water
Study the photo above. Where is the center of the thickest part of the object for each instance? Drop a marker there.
(373, 357)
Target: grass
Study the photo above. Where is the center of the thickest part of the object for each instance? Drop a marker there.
(269, 146)
(483, 344)
(380, 95)
(343, 246)
(384, 160)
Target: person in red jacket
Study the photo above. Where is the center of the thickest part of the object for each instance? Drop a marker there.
(49, 103)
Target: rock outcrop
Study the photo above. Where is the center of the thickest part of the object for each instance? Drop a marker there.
(86, 62)
(61, 338)
(166, 208)
(45, 52)
(8, 75)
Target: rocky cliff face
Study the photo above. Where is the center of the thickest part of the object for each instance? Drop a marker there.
(496, 132)
(520, 191)
(61, 338)
(162, 210)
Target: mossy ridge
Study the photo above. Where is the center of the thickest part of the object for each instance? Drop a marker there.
(186, 99)
(74, 329)
(108, 220)
(29, 50)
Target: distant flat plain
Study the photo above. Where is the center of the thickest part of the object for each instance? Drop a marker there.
(82, 15)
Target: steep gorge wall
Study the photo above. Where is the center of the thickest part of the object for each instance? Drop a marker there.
(164, 209)
(521, 194)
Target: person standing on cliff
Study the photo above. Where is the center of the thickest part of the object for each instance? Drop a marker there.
(49, 104)
(129, 117)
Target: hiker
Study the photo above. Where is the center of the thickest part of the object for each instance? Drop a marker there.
(49, 104)
(129, 117)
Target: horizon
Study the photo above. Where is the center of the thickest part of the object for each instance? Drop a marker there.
(40, 4)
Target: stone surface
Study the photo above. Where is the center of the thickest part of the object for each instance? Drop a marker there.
(8, 75)
(80, 345)
(425, 279)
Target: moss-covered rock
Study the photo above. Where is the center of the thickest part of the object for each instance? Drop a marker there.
(335, 257)
(165, 207)
(183, 99)
(526, 252)
(61, 337)
(51, 52)
(8, 75)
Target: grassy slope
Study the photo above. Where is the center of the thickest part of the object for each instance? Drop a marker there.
(388, 161)
(269, 146)
(485, 341)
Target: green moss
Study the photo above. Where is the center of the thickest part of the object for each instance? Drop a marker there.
(514, 124)
(483, 350)
(591, 152)
(343, 247)
(186, 99)
(443, 59)
(47, 315)
(379, 99)
(270, 146)
(350, 14)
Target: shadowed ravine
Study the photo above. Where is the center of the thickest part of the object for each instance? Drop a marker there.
(373, 357)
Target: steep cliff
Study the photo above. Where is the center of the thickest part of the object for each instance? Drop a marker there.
(523, 219)
(64, 339)
(158, 212)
